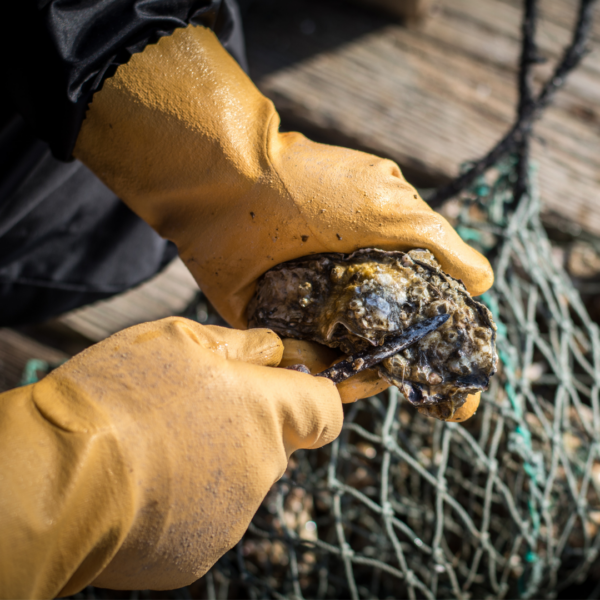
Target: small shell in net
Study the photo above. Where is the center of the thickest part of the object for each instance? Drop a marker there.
(353, 302)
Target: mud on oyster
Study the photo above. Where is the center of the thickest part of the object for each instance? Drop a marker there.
(356, 301)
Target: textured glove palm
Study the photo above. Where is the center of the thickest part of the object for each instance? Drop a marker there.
(139, 462)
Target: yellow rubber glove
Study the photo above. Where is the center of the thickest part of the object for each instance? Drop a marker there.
(187, 141)
(140, 461)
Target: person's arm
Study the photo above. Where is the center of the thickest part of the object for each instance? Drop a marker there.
(141, 461)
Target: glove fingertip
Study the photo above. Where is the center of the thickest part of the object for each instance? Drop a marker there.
(264, 347)
(467, 410)
(314, 356)
(363, 385)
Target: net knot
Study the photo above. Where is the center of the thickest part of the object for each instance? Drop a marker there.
(410, 577)
(333, 483)
(591, 555)
(564, 376)
(347, 551)
(566, 326)
(531, 328)
(438, 557)
(388, 443)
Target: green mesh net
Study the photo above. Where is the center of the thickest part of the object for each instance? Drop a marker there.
(505, 505)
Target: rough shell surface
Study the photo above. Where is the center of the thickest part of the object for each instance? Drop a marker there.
(355, 301)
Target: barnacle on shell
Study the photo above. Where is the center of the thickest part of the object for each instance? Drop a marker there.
(356, 301)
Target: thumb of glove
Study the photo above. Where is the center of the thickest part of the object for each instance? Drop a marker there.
(317, 358)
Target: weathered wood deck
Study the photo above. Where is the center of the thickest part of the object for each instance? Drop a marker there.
(169, 293)
(435, 96)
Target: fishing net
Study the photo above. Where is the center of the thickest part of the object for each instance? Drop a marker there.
(504, 505)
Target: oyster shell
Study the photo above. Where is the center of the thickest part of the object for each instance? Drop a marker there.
(355, 301)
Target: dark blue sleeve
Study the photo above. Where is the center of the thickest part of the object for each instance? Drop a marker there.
(57, 53)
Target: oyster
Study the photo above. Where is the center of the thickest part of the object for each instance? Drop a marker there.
(353, 302)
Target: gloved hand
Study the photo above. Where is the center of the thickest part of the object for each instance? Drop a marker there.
(187, 141)
(140, 461)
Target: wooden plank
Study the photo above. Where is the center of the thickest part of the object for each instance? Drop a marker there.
(169, 293)
(413, 11)
(422, 107)
(489, 32)
(436, 97)
(561, 12)
(15, 351)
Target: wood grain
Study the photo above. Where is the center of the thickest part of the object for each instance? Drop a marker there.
(434, 97)
(410, 10)
(169, 293)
